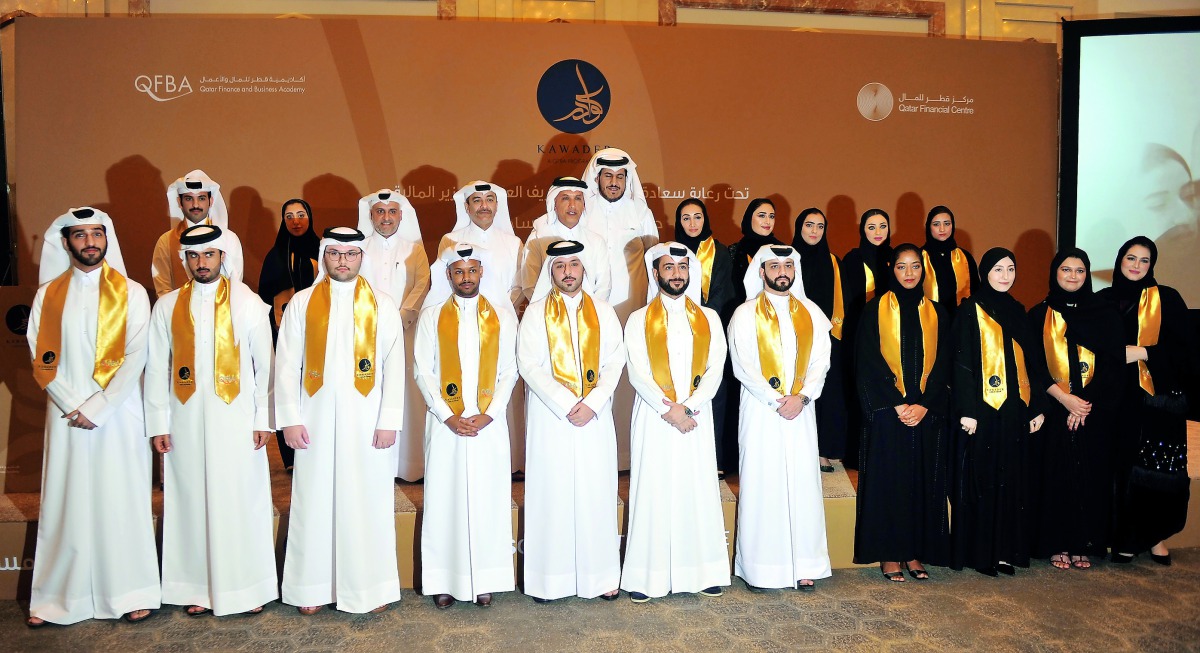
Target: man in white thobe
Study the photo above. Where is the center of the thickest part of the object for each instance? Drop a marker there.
(192, 199)
(466, 367)
(95, 555)
(339, 398)
(208, 389)
(781, 512)
(570, 353)
(676, 351)
(398, 266)
(566, 208)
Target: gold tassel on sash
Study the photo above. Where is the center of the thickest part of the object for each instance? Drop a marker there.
(656, 344)
(889, 337)
(316, 333)
(991, 349)
(1054, 341)
(707, 254)
(226, 355)
(451, 364)
(1149, 324)
(112, 312)
(770, 342)
(839, 309)
(870, 288)
(562, 348)
(962, 276)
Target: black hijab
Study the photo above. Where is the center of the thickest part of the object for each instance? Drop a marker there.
(752, 241)
(1125, 290)
(875, 256)
(933, 245)
(816, 265)
(907, 296)
(681, 236)
(291, 271)
(1085, 313)
(1007, 311)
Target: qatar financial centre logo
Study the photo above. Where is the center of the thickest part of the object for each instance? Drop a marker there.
(573, 96)
(163, 88)
(875, 101)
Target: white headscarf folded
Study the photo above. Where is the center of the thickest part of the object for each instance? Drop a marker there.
(197, 181)
(202, 237)
(678, 252)
(439, 285)
(56, 258)
(340, 236)
(502, 220)
(614, 159)
(754, 284)
(545, 283)
(560, 185)
(409, 228)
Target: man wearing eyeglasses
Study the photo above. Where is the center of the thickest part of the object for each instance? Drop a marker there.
(339, 398)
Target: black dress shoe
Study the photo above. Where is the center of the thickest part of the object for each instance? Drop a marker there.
(1005, 568)
(828, 469)
(443, 601)
(484, 600)
(537, 599)
(638, 597)
(611, 597)
(990, 571)
(1122, 558)
(1164, 560)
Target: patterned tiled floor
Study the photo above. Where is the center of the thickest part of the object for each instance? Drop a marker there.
(1138, 607)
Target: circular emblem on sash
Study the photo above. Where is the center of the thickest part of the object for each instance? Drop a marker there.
(364, 365)
(774, 381)
(696, 382)
(994, 381)
(1084, 367)
(591, 376)
(185, 373)
(48, 358)
(452, 390)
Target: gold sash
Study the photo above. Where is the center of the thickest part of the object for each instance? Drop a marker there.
(562, 347)
(770, 342)
(839, 309)
(991, 349)
(656, 344)
(870, 288)
(451, 364)
(112, 311)
(707, 253)
(1149, 323)
(227, 370)
(1054, 341)
(962, 276)
(889, 337)
(316, 332)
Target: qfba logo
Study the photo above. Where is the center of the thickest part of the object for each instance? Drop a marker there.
(573, 96)
(163, 88)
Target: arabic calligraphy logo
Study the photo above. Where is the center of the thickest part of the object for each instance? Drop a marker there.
(875, 101)
(573, 96)
(162, 88)
(17, 319)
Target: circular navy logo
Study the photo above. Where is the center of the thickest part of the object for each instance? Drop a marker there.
(696, 382)
(17, 319)
(1084, 367)
(364, 365)
(185, 374)
(774, 381)
(994, 381)
(573, 96)
(48, 358)
(451, 390)
(591, 376)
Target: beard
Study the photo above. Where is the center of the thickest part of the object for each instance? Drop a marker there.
(665, 286)
(88, 259)
(779, 284)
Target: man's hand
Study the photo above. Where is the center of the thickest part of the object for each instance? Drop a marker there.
(790, 406)
(77, 420)
(161, 443)
(296, 437)
(686, 426)
(461, 426)
(261, 438)
(676, 414)
(580, 415)
(383, 439)
(913, 414)
(479, 422)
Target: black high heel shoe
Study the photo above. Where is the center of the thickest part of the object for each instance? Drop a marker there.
(1164, 560)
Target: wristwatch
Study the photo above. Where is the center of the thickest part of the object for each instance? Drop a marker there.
(689, 412)
(805, 399)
